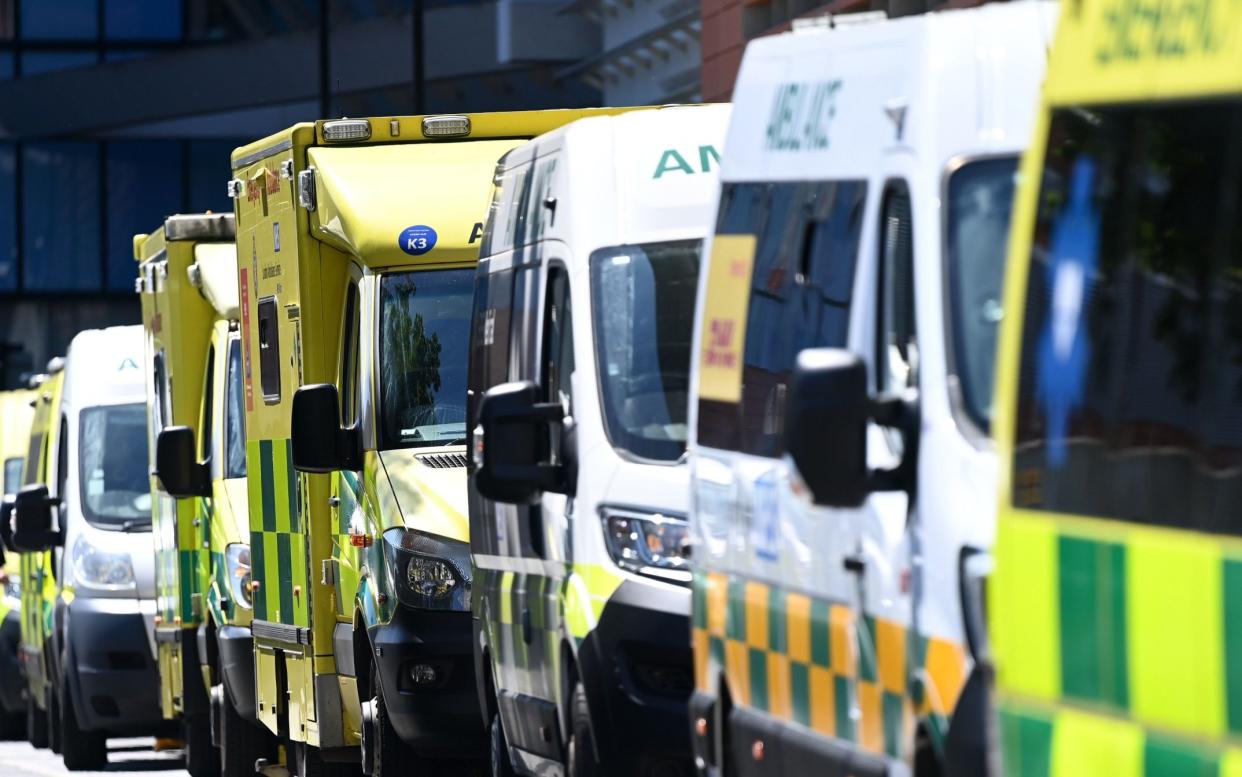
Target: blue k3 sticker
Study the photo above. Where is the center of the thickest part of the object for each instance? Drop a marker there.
(417, 240)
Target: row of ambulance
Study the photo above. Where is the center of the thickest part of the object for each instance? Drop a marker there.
(685, 453)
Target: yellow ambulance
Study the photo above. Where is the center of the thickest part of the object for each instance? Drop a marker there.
(16, 416)
(1115, 606)
(38, 583)
(187, 279)
(356, 246)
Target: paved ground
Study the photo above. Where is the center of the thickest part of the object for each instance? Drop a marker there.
(126, 757)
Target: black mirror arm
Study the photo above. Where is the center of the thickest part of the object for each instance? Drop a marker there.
(901, 413)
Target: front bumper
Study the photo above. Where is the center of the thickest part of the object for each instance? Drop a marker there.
(236, 647)
(12, 684)
(109, 667)
(442, 718)
(637, 670)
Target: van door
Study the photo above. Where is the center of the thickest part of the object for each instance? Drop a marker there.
(345, 489)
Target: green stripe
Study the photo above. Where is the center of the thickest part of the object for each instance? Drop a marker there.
(1232, 583)
(1026, 744)
(891, 705)
(777, 621)
(821, 652)
(258, 571)
(735, 623)
(1166, 758)
(758, 678)
(842, 700)
(265, 485)
(698, 600)
(285, 561)
(866, 650)
(1093, 621)
(185, 568)
(800, 696)
(291, 486)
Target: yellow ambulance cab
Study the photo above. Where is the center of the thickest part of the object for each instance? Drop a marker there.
(1115, 605)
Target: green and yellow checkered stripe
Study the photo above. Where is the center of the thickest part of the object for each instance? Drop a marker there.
(817, 663)
(1116, 639)
(277, 543)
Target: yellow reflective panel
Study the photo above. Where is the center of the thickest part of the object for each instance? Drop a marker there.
(1027, 646)
(1084, 744)
(401, 204)
(1175, 631)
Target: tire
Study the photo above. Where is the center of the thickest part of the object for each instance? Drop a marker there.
(580, 760)
(36, 725)
(501, 765)
(241, 742)
(54, 732)
(12, 726)
(390, 756)
(82, 751)
(201, 757)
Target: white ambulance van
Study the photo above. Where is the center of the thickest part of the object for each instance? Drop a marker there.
(579, 377)
(103, 678)
(842, 474)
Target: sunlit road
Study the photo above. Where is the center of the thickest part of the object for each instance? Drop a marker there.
(125, 757)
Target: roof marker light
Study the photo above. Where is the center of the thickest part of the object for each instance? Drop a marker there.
(446, 126)
(343, 130)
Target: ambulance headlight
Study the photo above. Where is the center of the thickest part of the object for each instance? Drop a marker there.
(237, 567)
(652, 545)
(100, 569)
(426, 571)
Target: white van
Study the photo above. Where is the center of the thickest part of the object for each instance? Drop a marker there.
(103, 678)
(843, 477)
(578, 384)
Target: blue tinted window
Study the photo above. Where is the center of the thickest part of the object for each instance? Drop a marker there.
(142, 19)
(143, 187)
(209, 172)
(124, 55)
(61, 216)
(60, 19)
(6, 66)
(8, 217)
(34, 63)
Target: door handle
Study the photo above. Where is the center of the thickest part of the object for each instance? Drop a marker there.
(334, 501)
(854, 563)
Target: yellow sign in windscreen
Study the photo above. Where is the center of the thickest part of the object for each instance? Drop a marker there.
(724, 317)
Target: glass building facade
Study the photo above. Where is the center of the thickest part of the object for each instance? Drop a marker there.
(117, 113)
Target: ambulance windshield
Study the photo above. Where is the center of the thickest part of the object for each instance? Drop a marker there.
(643, 302)
(113, 466)
(980, 200)
(424, 328)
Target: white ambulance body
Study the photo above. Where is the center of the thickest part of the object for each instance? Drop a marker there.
(866, 188)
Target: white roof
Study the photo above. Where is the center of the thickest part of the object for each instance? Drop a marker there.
(636, 177)
(829, 103)
(104, 367)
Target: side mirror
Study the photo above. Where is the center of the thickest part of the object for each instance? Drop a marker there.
(319, 442)
(32, 523)
(512, 441)
(6, 520)
(826, 416)
(176, 467)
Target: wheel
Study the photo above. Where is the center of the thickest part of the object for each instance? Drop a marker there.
(502, 766)
(383, 751)
(12, 726)
(310, 763)
(54, 733)
(36, 725)
(201, 758)
(241, 742)
(82, 751)
(580, 760)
